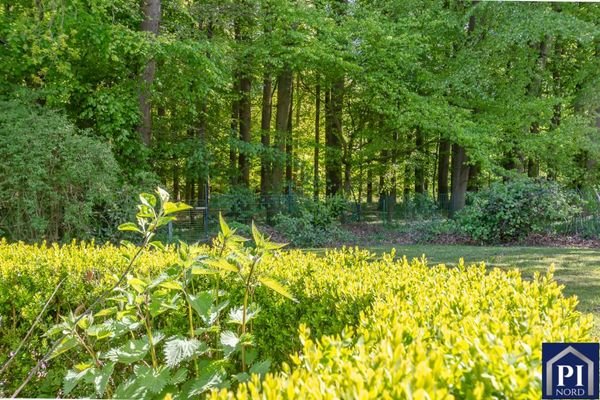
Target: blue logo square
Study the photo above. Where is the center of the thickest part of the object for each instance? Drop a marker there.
(570, 370)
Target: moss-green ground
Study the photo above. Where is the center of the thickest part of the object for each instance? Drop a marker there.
(577, 269)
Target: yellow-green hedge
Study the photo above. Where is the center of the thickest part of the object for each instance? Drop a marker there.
(409, 330)
(433, 333)
(28, 276)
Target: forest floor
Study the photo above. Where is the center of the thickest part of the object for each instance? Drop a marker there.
(578, 269)
(432, 232)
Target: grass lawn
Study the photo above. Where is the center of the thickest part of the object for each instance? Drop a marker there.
(577, 269)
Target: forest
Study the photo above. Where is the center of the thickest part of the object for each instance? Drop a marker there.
(367, 100)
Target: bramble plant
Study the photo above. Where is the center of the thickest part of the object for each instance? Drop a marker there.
(163, 336)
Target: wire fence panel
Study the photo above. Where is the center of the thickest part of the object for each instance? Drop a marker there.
(201, 222)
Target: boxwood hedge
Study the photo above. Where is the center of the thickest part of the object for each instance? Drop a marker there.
(364, 326)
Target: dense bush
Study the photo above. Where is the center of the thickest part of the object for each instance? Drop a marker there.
(53, 178)
(238, 204)
(432, 333)
(455, 330)
(512, 210)
(313, 223)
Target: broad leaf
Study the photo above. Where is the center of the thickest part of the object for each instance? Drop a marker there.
(147, 199)
(129, 226)
(101, 378)
(230, 342)
(236, 315)
(261, 368)
(171, 208)
(131, 352)
(173, 285)
(221, 264)
(202, 304)
(178, 350)
(225, 230)
(66, 344)
(73, 378)
(150, 379)
(206, 381)
(277, 287)
(163, 194)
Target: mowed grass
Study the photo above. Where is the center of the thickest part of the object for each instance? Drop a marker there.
(577, 269)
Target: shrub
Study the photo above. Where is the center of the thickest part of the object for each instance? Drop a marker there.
(302, 232)
(52, 177)
(512, 210)
(314, 223)
(439, 333)
(239, 204)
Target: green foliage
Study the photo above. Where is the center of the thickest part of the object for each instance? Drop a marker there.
(134, 347)
(439, 333)
(238, 202)
(437, 320)
(54, 179)
(313, 223)
(512, 210)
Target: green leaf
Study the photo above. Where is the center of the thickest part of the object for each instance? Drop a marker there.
(66, 344)
(162, 221)
(171, 208)
(202, 304)
(138, 284)
(163, 194)
(206, 381)
(147, 199)
(158, 245)
(72, 379)
(198, 270)
(101, 378)
(225, 230)
(179, 376)
(221, 264)
(173, 285)
(129, 226)
(131, 352)
(257, 236)
(150, 379)
(177, 350)
(236, 315)
(261, 368)
(230, 342)
(242, 377)
(105, 312)
(277, 287)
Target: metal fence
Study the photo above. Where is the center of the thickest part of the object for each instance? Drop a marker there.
(201, 222)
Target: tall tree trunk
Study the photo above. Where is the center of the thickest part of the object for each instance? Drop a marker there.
(460, 167)
(284, 94)
(419, 171)
(245, 115)
(333, 138)
(317, 141)
(289, 147)
(535, 90)
(176, 190)
(442, 174)
(235, 117)
(460, 178)
(265, 136)
(150, 23)
(369, 185)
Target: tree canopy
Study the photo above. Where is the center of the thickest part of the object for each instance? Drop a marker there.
(363, 98)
